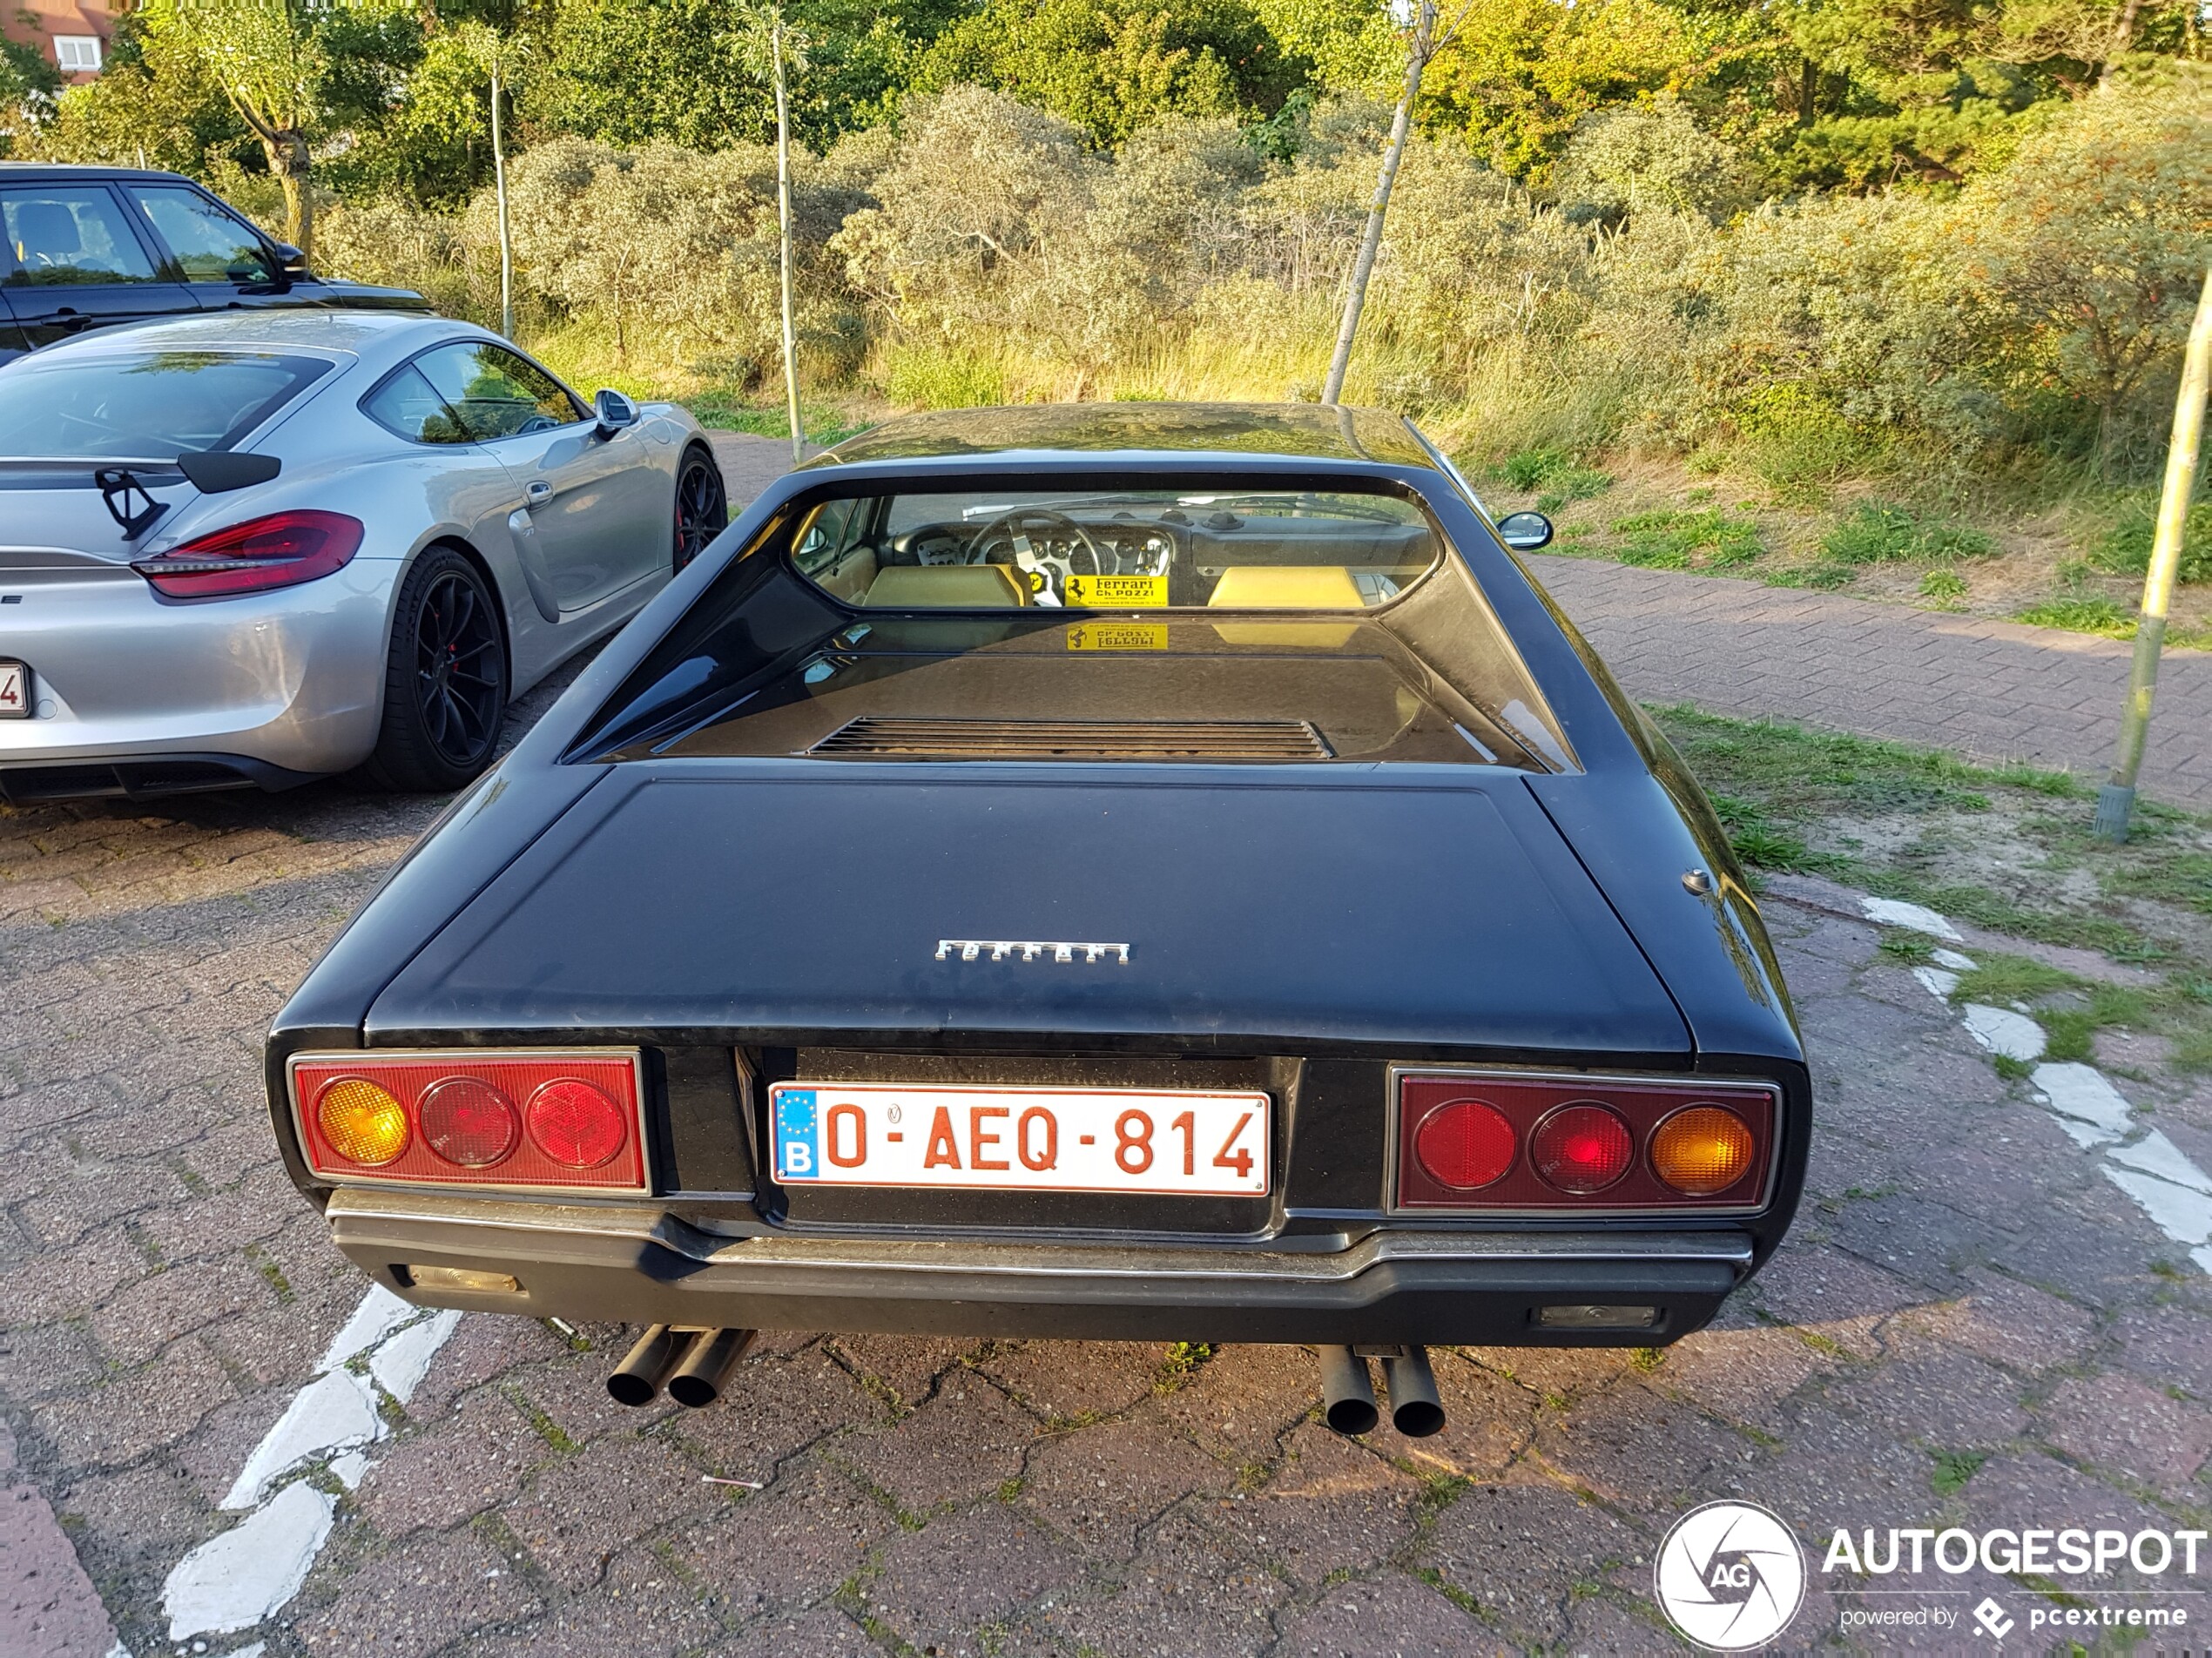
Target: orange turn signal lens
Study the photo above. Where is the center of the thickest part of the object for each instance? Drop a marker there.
(364, 1123)
(1702, 1151)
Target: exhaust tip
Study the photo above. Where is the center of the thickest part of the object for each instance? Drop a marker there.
(1416, 1410)
(636, 1382)
(1352, 1416)
(699, 1381)
(1347, 1391)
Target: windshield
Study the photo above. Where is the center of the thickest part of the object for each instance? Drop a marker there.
(144, 406)
(1267, 549)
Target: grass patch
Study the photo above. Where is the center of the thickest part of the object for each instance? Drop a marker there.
(2126, 546)
(2080, 613)
(1942, 587)
(1911, 948)
(2003, 980)
(1953, 1468)
(1185, 1359)
(1825, 578)
(1879, 532)
(724, 411)
(1712, 538)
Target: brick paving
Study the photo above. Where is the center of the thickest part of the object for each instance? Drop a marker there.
(1968, 1326)
(1994, 690)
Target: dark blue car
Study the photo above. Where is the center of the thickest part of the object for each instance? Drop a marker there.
(1133, 870)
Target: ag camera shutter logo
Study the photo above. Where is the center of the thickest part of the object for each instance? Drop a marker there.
(1729, 1576)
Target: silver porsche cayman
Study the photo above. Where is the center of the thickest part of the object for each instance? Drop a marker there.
(253, 548)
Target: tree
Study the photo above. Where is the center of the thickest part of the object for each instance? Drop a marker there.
(28, 85)
(1114, 66)
(295, 71)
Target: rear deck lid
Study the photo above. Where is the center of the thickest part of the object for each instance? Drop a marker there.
(820, 900)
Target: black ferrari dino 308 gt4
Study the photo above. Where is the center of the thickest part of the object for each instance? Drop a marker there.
(1145, 872)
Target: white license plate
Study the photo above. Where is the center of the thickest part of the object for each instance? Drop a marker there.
(14, 691)
(1111, 1140)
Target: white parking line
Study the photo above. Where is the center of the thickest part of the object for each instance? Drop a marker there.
(2161, 1179)
(250, 1572)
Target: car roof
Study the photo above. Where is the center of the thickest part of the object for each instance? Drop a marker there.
(16, 172)
(1319, 431)
(362, 333)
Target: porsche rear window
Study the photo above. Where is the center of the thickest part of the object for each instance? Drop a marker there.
(1252, 550)
(143, 405)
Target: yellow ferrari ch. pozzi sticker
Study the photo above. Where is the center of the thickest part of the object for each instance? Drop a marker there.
(1119, 636)
(1117, 592)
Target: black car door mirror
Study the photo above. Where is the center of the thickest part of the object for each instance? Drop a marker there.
(1525, 531)
(612, 410)
(290, 260)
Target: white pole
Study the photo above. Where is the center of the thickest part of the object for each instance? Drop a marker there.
(783, 223)
(506, 237)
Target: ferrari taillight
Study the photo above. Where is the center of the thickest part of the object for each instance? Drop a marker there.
(1502, 1140)
(552, 1119)
(278, 550)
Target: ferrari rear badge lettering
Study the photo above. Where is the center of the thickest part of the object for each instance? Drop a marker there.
(1029, 950)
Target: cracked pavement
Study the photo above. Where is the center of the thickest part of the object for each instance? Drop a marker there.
(1969, 1325)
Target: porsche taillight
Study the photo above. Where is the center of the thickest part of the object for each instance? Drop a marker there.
(538, 1121)
(280, 549)
(1500, 1140)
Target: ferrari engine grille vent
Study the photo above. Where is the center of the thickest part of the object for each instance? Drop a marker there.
(876, 737)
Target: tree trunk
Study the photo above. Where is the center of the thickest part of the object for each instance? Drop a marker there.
(289, 160)
(1808, 92)
(783, 239)
(2123, 35)
(1355, 299)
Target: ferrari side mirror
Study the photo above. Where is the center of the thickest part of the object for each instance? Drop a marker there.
(1525, 531)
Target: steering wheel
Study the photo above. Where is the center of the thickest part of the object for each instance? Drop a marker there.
(1047, 573)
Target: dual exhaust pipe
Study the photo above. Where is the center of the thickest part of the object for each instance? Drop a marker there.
(1348, 1393)
(694, 1365)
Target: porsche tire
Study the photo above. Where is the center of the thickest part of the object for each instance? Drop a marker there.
(445, 680)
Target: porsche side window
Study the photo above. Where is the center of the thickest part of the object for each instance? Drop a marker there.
(408, 406)
(497, 393)
(1273, 549)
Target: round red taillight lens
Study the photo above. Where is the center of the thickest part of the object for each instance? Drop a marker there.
(1703, 1150)
(1463, 1145)
(576, 1124)
(468, 1122)
(1582, 1148)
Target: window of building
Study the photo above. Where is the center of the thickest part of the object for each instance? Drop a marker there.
(77, 54)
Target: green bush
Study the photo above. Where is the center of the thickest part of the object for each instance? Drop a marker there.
(1672, 540)
(2126, 549)
(927, 377)
(1883, 533)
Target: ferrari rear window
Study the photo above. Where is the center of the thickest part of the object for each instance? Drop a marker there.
(144, 405)
(1263, 550)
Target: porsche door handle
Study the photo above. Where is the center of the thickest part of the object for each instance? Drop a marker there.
(538, 492)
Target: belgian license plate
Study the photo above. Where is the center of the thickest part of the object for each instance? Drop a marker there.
(14, 691)
(1108, 1140)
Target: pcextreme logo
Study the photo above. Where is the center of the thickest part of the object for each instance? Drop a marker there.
(1729, 1576)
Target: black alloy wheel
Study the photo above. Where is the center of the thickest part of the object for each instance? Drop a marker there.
(702, 504)
(445, 682)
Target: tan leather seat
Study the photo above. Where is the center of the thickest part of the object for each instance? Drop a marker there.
(1286, 587)
(945, 587)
